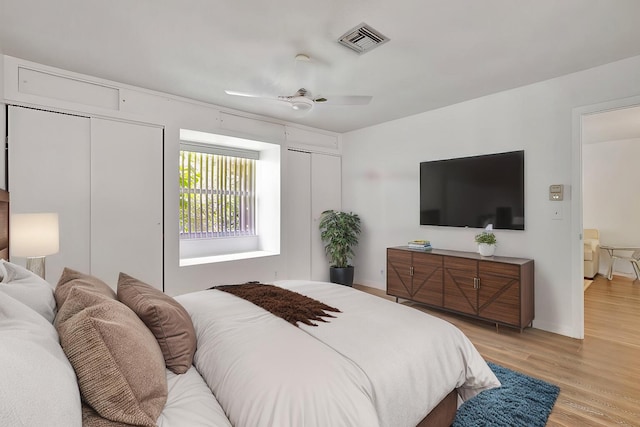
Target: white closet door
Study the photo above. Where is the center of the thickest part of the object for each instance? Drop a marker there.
(126, 201)
(49, 171)
(326, 187)
(298, 221)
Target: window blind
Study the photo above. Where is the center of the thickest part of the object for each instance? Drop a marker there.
(217, 194)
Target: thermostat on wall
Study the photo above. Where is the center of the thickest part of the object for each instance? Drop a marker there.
(556, 192)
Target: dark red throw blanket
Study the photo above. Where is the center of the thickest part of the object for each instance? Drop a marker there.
(291, 306)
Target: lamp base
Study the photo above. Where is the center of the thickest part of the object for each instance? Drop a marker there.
(36, 265)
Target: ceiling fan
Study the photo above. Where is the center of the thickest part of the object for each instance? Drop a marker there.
(303, 100)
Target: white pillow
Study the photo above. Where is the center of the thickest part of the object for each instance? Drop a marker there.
(39, 386)
(28, 288)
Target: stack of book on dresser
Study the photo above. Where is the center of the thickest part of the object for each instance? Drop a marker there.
(423, 245)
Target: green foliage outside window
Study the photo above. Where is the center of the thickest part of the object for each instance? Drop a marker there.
(217, 197)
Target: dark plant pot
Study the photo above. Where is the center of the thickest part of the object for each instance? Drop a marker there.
(341, 275)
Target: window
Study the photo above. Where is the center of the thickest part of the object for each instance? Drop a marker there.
(228, 198)
(217, 195)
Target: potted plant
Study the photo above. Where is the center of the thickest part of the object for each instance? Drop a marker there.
(339, 232)
(486, 243)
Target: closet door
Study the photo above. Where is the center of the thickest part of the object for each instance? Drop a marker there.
(49, 171)
(313, 186)
(126, 201)
(298, 221)
(326, 187)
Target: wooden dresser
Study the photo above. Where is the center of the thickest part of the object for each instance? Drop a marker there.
(496, 289)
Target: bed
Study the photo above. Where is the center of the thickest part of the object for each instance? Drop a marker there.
(374, 363)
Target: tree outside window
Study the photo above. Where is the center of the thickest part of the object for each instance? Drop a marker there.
(217, 195)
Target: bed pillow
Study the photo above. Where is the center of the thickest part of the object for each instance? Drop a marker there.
(165, 317)
(119, 365)
(3, 271)
(72, 278)
(28, 288)
(91, 418)
(82, 298)
(38, 386)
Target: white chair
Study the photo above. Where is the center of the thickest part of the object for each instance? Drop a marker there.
(634, 259)
(591, 252)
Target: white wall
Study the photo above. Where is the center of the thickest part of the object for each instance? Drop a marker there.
(3, 153)
(177, 279)
(381, 177)
(3, 127)
(174, 113)
(611, 196)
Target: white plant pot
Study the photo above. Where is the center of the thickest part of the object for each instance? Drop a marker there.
(486, 249)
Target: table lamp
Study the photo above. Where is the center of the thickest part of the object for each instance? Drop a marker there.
(34, 236)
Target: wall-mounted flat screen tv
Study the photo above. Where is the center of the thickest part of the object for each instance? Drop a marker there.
(474, 191)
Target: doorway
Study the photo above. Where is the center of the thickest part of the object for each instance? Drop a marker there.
(602, 135)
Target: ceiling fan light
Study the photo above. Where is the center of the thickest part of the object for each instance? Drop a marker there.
(301, 104)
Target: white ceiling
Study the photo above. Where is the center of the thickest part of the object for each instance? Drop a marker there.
(441, 51)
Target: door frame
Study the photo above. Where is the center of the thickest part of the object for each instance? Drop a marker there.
(577, 252)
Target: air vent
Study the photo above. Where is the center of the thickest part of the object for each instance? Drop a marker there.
(362, 38)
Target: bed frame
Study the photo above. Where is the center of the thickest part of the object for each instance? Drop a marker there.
(441, 416)
(4, 224)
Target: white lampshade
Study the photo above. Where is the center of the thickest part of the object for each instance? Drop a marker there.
(34, 235)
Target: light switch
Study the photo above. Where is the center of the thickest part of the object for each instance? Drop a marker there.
(556, 192)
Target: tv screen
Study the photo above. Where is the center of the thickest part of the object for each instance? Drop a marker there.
(474, 191)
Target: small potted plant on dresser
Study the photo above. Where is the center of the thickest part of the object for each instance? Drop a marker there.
(486, 243)
(339, 232)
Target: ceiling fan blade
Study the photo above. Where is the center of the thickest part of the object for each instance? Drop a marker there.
(246, 94)
(344, 100)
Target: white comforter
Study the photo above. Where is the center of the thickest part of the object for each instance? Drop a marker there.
(376, 363)
(190, 403)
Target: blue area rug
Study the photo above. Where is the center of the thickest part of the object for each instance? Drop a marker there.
(522, 401)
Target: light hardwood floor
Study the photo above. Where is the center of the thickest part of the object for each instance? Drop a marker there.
(599, 377)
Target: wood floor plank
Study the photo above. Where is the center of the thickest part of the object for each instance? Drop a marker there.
(599, 377)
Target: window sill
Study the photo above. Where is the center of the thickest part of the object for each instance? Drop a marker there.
(185, 262)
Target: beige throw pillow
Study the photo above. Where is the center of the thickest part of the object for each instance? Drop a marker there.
(91, 418)
(78, 299)
(72, 278)
(165, 317)
(119, 365)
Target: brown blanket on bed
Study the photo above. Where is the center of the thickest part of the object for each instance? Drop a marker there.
(291, 306)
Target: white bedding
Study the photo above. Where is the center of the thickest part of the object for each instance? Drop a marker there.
(190, 403)
(265, 372)
(413, 359)
(376, 363)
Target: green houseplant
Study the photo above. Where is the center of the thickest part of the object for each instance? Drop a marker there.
(486, 243)
(339, 232)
